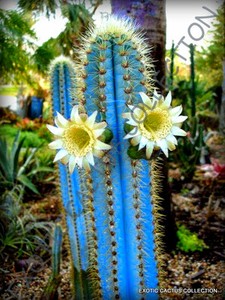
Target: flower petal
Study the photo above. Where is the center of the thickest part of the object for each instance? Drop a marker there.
(171, 138)
(156, 97)
(91, 120)
(79, 161)
(147, 101)
(163, 145)
(177, 131)
(176, 111)
(136, 140)
(60, 154)
(179, 119)
(168, 100)
(134, 132)
(171, 146)
(61, 120)
(86, 164)
(98, 153)
(101, 146)
(131, 107)
(149, 149)
(100, 125)
(72, 163)
(75, 115)
(65, 159)
(142, 143)
(98, 132)
(55, 130)
(126, 115)
(90, 158)
(57, 144)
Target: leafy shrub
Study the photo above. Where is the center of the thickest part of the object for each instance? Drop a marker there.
(42, 170)
(189, 150)
(19, 166)
(14, 164)
(20, 233)
(188, 241)
(31, 139)
(44, 134)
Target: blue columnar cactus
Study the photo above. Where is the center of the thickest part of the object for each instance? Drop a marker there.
(62, 83)
(115, 71)
(112, 208)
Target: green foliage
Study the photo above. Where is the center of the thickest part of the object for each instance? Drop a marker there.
(45, 53)
(40, 6)
(20, 233)
(9, 90)
(13, 165)
(20, 166)
(15, 29)
(79, 18)
(188, 152)
(31, 138)
(204, 97)
(209, 60)
(43, 134)
(189, 241)
(42, 170)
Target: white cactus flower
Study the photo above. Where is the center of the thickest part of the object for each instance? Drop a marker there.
(77, 139)
(155, 124)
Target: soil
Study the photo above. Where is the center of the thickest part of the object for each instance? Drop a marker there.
(199, 205)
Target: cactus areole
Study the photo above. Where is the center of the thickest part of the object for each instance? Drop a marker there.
(104, 112)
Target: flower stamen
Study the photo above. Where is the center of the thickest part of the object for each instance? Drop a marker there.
(157, 124)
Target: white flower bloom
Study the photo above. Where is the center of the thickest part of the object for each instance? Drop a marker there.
(77, 139)
(155, 124)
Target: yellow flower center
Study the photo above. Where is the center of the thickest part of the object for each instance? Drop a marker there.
(78, 140)
(157, 124)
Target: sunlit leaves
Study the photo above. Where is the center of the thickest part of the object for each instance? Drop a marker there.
(39, 6)
(15, 31)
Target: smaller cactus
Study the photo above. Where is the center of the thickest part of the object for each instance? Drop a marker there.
(50, 291)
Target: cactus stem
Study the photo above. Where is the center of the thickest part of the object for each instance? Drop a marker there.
(111, 222)
(92, 240)
(135, 165)
(78, 258)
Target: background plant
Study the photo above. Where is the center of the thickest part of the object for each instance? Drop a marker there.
(18, 165)
(20, 234)
(15, 32)
(188, 241)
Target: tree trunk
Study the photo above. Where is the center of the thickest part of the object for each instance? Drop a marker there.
(150, 16)
(222, 107)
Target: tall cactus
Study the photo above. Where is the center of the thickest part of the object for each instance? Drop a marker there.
(112, 208)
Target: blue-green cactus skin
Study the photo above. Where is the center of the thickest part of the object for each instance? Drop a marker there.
(56, 250)
(136, 187)
(109, 210)
(62, 75)
(112, 233)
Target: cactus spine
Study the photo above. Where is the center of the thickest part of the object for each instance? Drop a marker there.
(109, 209)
